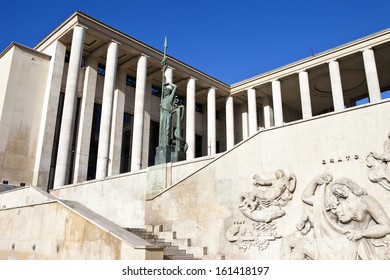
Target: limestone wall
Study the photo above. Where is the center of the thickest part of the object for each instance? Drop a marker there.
(205, 207)
(20, 118)
(22, 196)
(58, 233)
(121, 198)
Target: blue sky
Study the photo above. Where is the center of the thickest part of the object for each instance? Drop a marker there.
(229, 40)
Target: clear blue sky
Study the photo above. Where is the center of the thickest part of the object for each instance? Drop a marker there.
(227, 39)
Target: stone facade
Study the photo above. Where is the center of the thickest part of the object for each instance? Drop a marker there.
(273, 162)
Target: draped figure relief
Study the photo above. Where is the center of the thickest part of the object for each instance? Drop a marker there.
(343, 222)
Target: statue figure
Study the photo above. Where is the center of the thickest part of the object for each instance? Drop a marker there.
(379, 166)
(168, 97)
(344, 223)
(167, 106)
(181, 145)
(263, 204)
(168, 150)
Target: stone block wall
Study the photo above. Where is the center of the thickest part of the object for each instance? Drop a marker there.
(233, 206)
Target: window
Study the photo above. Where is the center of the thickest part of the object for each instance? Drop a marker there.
(153, 141)
(94, 144)
(131, 81)
(67, 56)
(56, 140)
(198, 108)
(156, 91)
(101, 69)
(127, 137)
(198, 146)
(180, 100)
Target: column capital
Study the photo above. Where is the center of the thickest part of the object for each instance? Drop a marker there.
(115, 41)
(366, 49)
(192, 78)
(231, 95)
(332, 60)
(302, 71)
(170, 67)
(80, 25)
(144, 55)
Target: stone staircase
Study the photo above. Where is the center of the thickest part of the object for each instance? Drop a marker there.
(171, 251)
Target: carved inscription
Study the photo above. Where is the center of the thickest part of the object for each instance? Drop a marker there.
(252, 235)
(340, 159)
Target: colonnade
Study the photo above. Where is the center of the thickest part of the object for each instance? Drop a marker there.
(304, 87)
(72, 170)
(108, 161)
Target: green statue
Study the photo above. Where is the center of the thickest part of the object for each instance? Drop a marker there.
(167, 104)
(167, 107)
(168, 148)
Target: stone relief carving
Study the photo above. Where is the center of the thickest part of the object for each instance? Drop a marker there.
(264, 203)
(379, 166)
(344, 222)
(262, 206)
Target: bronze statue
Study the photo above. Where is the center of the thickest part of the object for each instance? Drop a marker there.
(168, 150)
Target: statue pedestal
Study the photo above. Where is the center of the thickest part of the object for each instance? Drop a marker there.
(178, 156)
(159, 178)
(163, 154)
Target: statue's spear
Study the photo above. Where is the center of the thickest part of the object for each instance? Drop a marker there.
(164, 66)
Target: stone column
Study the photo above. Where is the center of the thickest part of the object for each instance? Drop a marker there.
(337, 89)
(106, 118)
(68, 115)
(140, 91)
(190, 118)
(277, 102)
(244, 121)
(211, 122)
(146, 130)
(229, 122)
(267, 111)
(48, 115)
(252, 111)
(305, 94)
(85, 124)
(371, 75)
(117, 124)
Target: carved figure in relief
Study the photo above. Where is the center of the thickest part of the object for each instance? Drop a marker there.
(263, 204)
(379, 166)
(344, 223)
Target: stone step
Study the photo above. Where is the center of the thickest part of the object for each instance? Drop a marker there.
(171, 251)
(213, 257)
(167, 235)
(198, 252)
(182, 243)
(180, 257)
(174, 251)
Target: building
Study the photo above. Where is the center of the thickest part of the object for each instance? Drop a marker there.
(79, 127)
